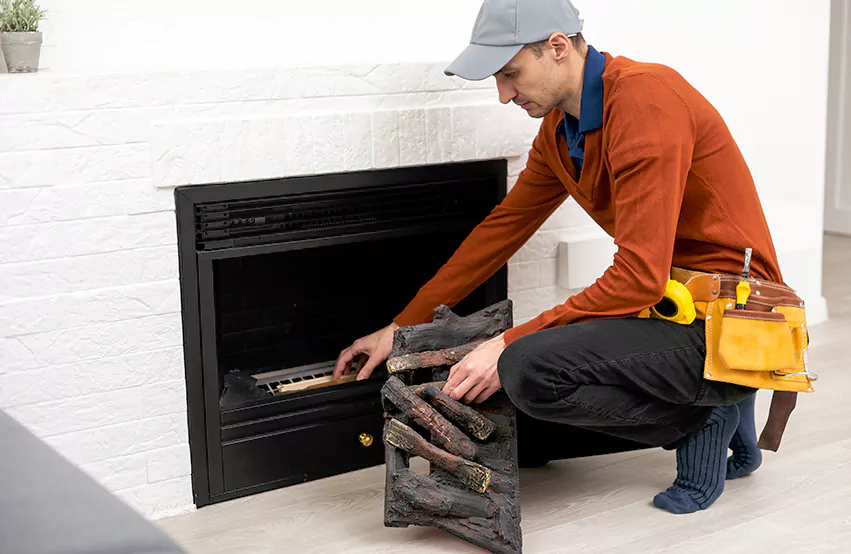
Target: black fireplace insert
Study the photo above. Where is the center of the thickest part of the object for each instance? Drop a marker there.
(277, 277)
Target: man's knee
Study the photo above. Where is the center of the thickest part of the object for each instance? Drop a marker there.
(521, 375)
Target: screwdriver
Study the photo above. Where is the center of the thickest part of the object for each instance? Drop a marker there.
(743, 289)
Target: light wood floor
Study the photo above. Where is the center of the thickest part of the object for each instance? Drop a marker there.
(799, 501)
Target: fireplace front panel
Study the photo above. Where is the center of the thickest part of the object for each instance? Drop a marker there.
(277, 277)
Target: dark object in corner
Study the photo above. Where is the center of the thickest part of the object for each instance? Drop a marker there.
(241, 387)
(473, 483)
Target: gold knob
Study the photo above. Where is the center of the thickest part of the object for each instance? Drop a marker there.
(365, 439)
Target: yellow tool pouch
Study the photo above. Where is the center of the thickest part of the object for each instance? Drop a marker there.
(762, 346)
(760, 349)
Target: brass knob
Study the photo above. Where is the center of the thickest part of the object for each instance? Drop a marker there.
(365, 439)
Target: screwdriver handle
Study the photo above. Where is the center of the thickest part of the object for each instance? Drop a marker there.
(743, 289)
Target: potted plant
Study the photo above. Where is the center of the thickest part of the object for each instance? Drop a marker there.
(20, 39)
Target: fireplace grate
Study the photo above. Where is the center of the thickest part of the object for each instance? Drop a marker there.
(298, 379)
(296, 217)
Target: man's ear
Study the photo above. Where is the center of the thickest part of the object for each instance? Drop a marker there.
(561, 46)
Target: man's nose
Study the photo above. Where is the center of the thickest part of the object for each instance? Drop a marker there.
(506, 92)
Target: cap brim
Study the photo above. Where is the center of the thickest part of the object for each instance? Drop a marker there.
(478, 61)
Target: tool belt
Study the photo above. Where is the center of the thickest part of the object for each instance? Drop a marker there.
(763, 346)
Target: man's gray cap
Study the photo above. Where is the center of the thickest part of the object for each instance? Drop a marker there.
(503, 27)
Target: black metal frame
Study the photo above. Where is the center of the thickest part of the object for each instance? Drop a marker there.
(196, 273)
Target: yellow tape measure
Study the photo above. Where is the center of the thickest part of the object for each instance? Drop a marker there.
(677, 305)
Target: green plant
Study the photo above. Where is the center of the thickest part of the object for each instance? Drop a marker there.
(18, 16)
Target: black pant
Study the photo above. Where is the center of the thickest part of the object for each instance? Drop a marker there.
(640, 380)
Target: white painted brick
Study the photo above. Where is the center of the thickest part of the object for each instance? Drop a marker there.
(208, 151)
(407, 77)
(90, 343)
(50, 204)
(504, 131)
(45, 168)
(89, 377)
(168, 463)
(14, 355)
(164, 398)
(570, 216)
(549, 272)
(412, 137)
(45, 93)
(357, 137)
(385, 138)
(42, 131)
(531, 302)
(322, 151)
(64, 275)
(124, 439)
(542, 245)
(438, 135)
(464, 132)
(14, 203)
(87, 412)
(80, 309)
(119, 473)
(75, 238)
(163, 499)
(523, 275)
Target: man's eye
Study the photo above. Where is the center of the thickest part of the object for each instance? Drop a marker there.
(508, 75)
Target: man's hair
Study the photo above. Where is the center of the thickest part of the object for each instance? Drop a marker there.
(578, 42)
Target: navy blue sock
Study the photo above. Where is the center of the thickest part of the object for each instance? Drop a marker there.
(746, 456)
(701, 464)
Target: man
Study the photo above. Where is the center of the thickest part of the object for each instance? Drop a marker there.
(653, 163)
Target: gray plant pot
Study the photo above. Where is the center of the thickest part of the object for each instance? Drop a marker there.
(21, 50)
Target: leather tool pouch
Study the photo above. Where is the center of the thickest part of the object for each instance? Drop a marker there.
(763, 346)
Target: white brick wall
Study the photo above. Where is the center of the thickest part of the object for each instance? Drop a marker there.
(90, 330)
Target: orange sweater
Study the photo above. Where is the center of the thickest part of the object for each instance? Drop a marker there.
(663, 177)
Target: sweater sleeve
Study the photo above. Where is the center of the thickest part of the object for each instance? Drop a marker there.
(533, 198)
(649, 137)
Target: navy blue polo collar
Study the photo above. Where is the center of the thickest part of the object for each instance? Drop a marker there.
(591, 108)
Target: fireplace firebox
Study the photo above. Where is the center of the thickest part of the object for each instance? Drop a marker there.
(277, 277)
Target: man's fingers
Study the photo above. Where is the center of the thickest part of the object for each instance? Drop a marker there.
(456, 376)
(346, 357)
(367, 368)
(475, 391)
(485, 394)
(462, 388)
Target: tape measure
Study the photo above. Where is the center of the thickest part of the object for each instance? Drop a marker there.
(677, 305)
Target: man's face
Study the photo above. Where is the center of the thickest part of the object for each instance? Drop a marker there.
(531, 82)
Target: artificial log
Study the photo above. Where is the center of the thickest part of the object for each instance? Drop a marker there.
(469, 419)
(473, 475)
(449, 498)
(444, 434)
(423, 494)
(448, 330)
(431, 358)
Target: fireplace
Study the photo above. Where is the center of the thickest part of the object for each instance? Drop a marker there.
(276, 278)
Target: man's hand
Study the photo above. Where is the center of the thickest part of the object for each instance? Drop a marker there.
(475, 377)
(377, 346)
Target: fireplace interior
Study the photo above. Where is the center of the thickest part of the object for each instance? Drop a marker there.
(277, 277)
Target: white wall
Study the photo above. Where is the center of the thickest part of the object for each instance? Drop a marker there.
(151, 34)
